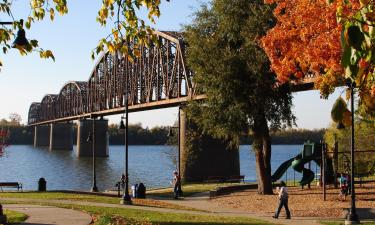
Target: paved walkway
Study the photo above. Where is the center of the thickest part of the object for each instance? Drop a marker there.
(47, 215)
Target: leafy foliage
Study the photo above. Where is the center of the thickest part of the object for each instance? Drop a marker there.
(233, 71)
(364, 141)
(336, 45)
(39, 9)
(127, 25)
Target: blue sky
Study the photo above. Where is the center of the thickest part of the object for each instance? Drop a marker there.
(24, 80)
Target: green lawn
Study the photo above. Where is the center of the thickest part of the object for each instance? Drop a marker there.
(15, 217)
(190, 189)
(109, 215)
(132, 216)
(35, 197)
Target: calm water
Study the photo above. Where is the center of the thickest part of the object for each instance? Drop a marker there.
(147, 164)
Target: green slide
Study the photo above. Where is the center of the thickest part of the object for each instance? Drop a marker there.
(297, 163)
(307, 175)
(281, 170)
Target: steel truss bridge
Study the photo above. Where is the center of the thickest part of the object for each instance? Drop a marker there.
(159, 78)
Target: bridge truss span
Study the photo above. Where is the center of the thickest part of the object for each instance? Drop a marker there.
(157, 78)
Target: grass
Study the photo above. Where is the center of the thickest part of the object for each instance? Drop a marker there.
(15, 217)
(37, 197)
(107, 215)
(190, 189)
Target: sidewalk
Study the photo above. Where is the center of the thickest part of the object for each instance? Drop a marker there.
(47, 215)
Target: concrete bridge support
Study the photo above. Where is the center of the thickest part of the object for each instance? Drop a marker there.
(203, 156)
(41, 136)
(84, 147)
(61, 136)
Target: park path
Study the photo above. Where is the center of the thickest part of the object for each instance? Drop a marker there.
(48, 215)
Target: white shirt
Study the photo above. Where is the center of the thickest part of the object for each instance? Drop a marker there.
(283, 192)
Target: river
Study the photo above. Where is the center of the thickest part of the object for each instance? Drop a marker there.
(148, 164)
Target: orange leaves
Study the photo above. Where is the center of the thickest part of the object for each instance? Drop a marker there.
(306, 39)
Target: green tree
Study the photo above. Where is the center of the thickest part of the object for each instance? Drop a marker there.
(364, 144)
(234, 72)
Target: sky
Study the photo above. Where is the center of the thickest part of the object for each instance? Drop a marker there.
(72, 37)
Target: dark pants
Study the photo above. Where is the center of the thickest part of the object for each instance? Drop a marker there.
(283, 202)
(176, 191)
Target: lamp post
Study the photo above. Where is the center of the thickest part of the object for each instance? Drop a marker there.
(20, 41)
(91, 139)
(352, 217)
(179, 142)
(126, 199)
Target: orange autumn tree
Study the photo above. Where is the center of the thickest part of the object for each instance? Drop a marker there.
(331, 41)
(305, 41)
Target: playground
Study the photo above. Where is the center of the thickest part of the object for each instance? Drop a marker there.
(302, 202)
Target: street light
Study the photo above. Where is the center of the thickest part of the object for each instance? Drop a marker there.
(21, 40)
(126, 199)
(170, 134)
(352, 217)
(91, 139)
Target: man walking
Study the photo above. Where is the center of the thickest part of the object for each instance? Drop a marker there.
(283, 200)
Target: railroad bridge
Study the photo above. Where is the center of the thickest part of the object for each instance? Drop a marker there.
(159, 78)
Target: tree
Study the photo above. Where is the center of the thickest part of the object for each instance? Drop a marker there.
(15, 119)
(127, 25)
(336, 45)
(233, 71)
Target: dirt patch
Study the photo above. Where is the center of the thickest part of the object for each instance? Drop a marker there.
(302, 202)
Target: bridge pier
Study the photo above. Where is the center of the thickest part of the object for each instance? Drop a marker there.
(85, 127)
(61, 136)
(203, 156)
(41, 136)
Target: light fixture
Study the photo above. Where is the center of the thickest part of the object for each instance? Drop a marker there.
(122, 124)
(21, 40)
(170, 132)
(340, 126)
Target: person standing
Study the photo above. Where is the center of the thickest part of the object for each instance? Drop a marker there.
(283, 200)
(176, 184)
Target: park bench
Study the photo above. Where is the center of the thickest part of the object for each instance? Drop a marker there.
(232, 178)
(236, 178)
(11, 185)
(212, 179)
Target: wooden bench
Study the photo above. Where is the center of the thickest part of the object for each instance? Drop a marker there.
(11, 185)
(232, 178)
(213, 179)
(236, 178)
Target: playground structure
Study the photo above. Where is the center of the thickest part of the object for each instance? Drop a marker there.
(336, 162)
(310, 152)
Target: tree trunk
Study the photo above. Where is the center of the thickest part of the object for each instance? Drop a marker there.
(262, 149)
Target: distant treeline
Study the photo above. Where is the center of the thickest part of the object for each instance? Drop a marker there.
(22, 135)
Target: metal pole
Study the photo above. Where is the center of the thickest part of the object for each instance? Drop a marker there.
(323, 169)
(352, 217)
(179, 141)
(179, 145)
(126, 198)
(94, 187)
